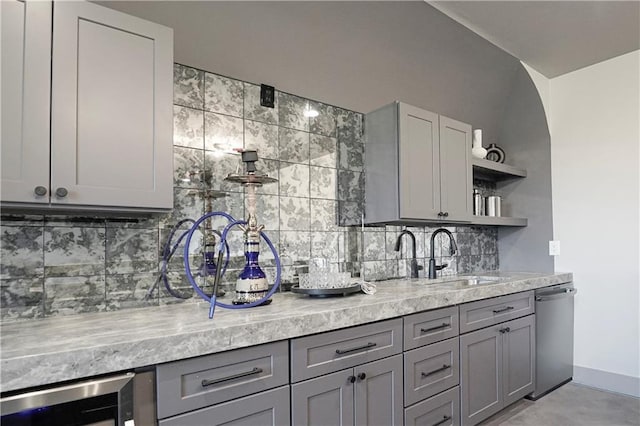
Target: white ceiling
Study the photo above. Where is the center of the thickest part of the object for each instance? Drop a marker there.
(553, 37)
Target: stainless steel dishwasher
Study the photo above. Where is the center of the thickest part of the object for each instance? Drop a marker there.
(554, 338)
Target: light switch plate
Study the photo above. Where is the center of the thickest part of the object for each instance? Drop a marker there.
(554, 248)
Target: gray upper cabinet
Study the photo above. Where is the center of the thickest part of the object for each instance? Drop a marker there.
(26, 81)
(418, 166)
(110, 146)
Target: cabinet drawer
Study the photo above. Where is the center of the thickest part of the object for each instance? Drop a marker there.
(430, 370)
(199, 382)
(270, 408)
(328, 352)
(441, 410)
(430, 327)
(484, 313)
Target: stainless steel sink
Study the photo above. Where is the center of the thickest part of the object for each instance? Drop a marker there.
(474, 280)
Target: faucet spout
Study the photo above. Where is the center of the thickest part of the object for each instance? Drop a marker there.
(414, 262)
(453, 248)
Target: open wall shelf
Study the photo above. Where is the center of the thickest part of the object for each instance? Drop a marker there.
(490, 170)
(498, 221)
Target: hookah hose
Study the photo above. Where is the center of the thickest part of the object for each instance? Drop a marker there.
(223, 242)
(167, 253)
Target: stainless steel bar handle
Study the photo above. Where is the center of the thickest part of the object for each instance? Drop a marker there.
(443, 421)
(438, 327)
(436, 371)
(256, 370)
(40, 191)
(499, 311)
(570, 292)
(359, 348)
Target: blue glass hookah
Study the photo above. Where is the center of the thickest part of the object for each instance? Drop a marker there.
(252, 287)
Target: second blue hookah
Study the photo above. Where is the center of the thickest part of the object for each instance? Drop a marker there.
(252, 287)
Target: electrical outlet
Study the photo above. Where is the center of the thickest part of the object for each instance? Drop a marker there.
(554, 248)
(267, 96)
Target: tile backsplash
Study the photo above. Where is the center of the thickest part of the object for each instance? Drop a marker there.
(68, 264)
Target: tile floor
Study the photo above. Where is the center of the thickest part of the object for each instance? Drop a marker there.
(571, 405)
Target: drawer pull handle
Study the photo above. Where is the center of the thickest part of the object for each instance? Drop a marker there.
(255, 370)
(437, 327)
(499, 311)
(431, 373)
(443, 421)
(359, 348)
(505, 330)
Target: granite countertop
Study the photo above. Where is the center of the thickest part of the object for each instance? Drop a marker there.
(39, 352)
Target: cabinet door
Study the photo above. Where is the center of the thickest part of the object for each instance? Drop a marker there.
(111, 134)
(26, 77)
(456, 186)
(518, 358)
(270, 408)
(481, 379)
(378, 392)
(419, 167)
(325, 400)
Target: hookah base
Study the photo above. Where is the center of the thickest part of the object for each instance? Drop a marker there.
(243, 302)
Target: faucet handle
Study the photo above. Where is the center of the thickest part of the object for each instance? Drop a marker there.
(441, 267)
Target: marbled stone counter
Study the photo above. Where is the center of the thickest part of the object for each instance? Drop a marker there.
(39, 352)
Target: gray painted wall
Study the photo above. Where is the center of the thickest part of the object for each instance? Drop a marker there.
(358, 55)
(526, 141)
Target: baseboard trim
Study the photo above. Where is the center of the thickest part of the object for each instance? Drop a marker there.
(605, 380)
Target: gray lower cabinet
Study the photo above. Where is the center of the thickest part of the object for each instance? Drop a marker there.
(269, 408)
(497, 367)
(369, 394)
(440, 410)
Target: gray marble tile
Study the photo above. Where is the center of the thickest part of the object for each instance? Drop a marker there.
(374, 246)
(323, 183)
(131, 250)
(407, 250)
(188, 86)
(268, 211)
(188, 167)
(293, 146)
(350, 213)
(74, 251)
(350, 186)
(323, 151)
(351, 155)
(325, 122)
(294, 214)
(232, 204)
(488, 244)
(21, 250)
(180, 286)
(133, 222)
(294, 180)
(375, 270)
(291, 112)
(21, 298)
(267, 260)
(295, 247)
(188, 127)
(270, 168)
(262, 137)
(222, 133)
(352, 246)
(390, 244)
(223, 95)
(324, 215)
(392, 268)
(175, 263)
(187, 203)
(218, 166)
(349, 126)
(129, 290)
(452, 266)
(252, 108)
(489, 263)
(326, 245)
(74, 295)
